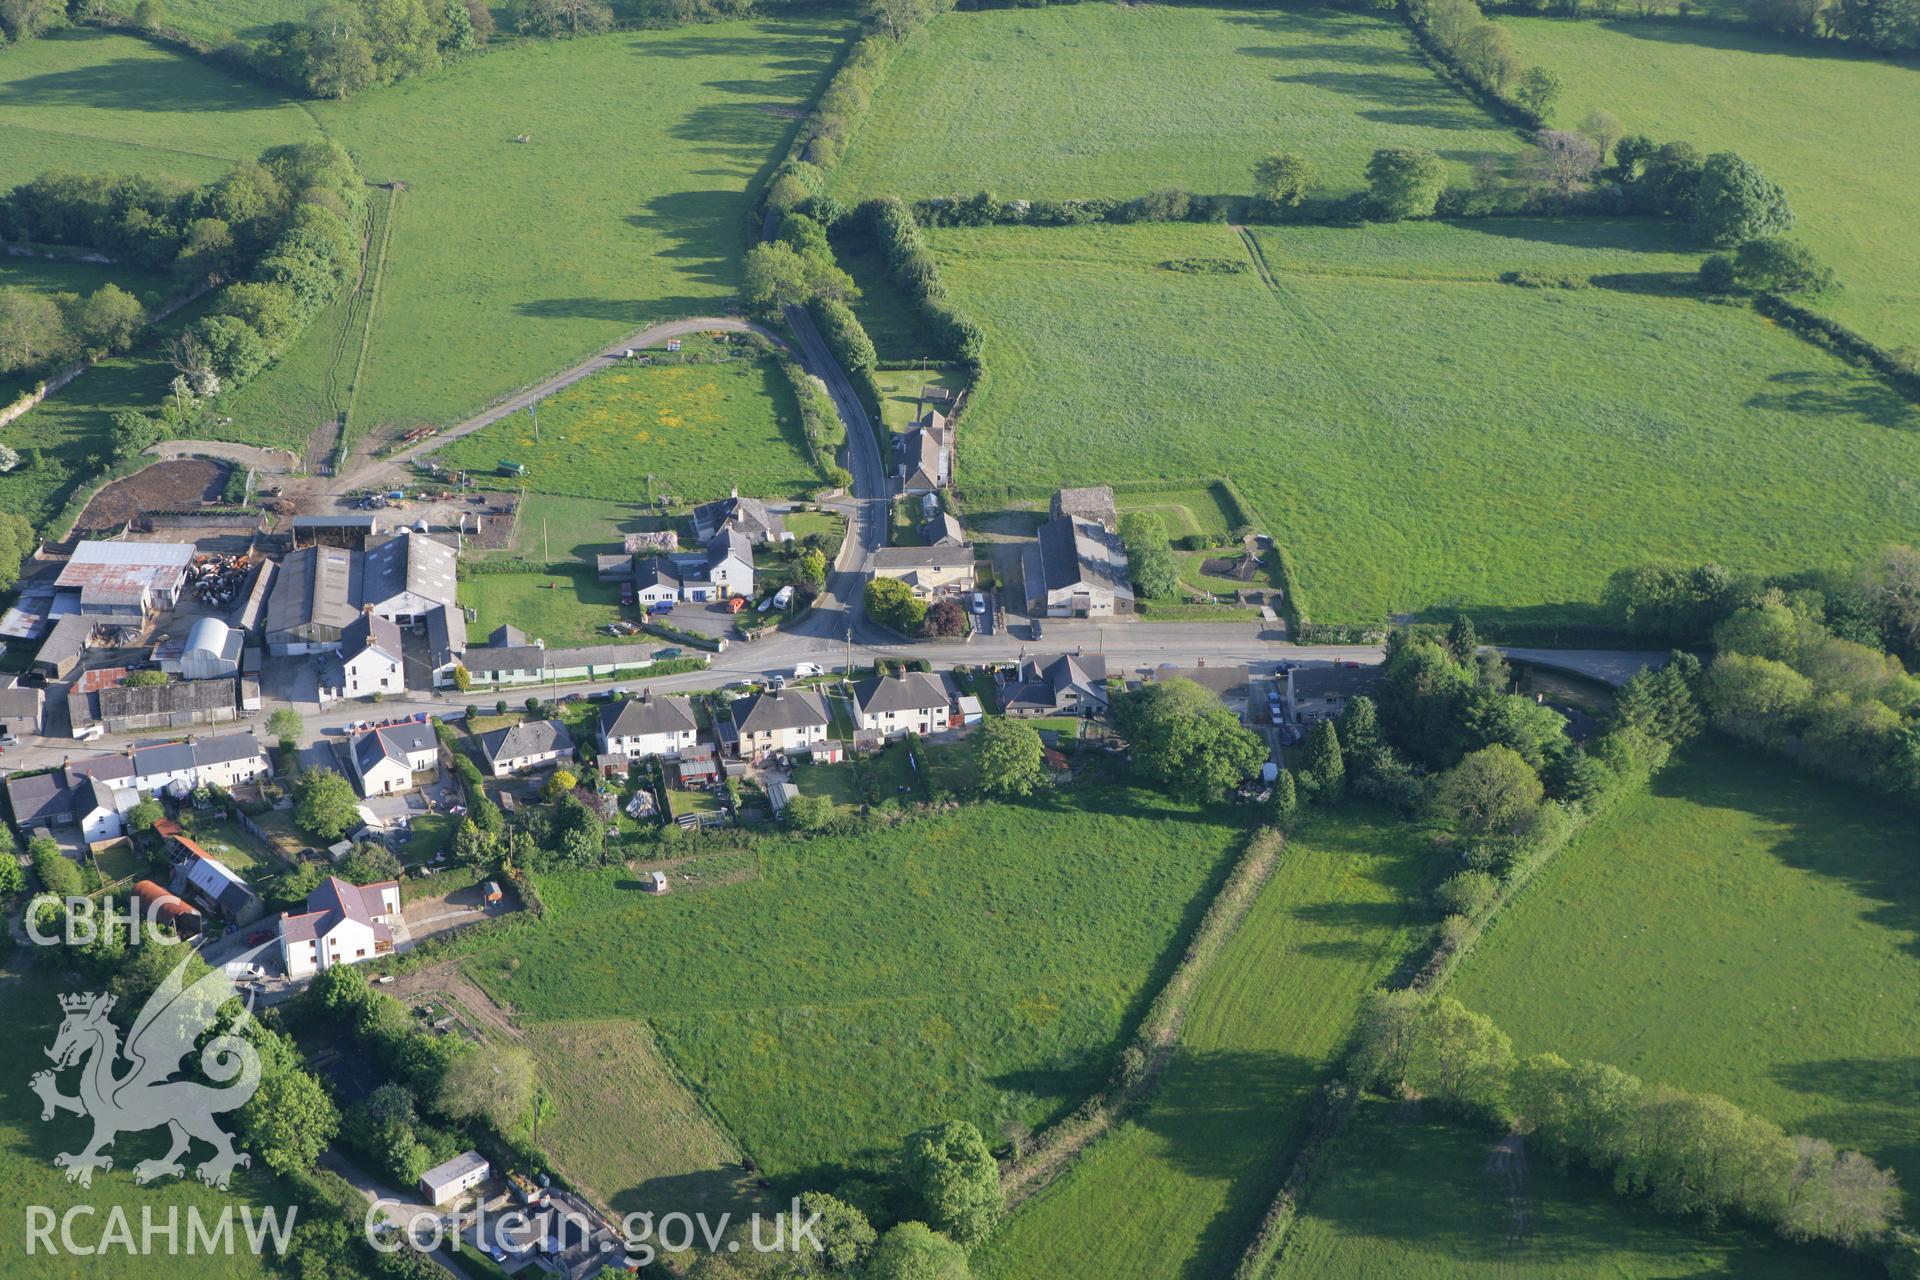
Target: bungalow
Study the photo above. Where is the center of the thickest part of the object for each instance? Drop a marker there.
(776, 720)
(911, 702)
(370, 657)
(746, 515)
(527, 745)
(1066, 684)
(343, 924)
(927, 571)
(647, 726)
(386, 758)
(656, 581)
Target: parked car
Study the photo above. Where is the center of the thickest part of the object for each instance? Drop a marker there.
(802, 670)
(259, 936)
(664, 654)
(979, 602)
(1038, 630)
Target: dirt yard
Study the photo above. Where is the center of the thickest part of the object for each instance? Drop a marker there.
(182, 484)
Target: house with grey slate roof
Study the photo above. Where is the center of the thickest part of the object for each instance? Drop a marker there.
(527, 745)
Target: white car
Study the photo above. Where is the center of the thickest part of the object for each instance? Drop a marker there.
(979, 603)
(802, 670)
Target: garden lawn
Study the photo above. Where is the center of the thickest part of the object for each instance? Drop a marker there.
(981, 964)
(1108, 100)
(1418, 1196)
(1840, 131)
(493, 280)
(566, 609)
(900, 402)
(1179, 1189)
(30, 1010)
(698, 429)
(1438, 442)
(1743, 929)
(89, 102)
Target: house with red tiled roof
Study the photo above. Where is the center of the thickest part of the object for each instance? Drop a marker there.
(343, 924)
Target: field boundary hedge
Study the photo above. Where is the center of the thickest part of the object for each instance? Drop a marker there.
(1428, 978)
(1145, 1058)
(1843, 342)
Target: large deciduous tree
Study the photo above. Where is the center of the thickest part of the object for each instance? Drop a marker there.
(1008, 757)
(324, 804)
(1183, 739)
(1738, 203)
(1405, 182)
(954, 1179)
(1492, 789)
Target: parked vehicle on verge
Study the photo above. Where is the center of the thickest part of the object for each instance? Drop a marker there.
(801, 670)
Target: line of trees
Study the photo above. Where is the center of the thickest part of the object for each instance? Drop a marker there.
(1891, 26)
(1485, 55)
(1809, 665)
(1688, 1153)
(1150, 562)
(289, 222)
(913, 270)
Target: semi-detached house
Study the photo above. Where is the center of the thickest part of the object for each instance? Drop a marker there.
(647, 726)
(911, 702)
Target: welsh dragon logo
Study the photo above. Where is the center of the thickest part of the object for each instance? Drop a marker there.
(145, 1096)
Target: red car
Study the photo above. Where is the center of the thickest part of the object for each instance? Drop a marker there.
(259, 936)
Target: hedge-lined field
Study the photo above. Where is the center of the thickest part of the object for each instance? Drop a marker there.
(1757, 932)
(89, 102)
(699, 429)
(1840, 131)
(1416, 1195)
(1179, 1189)
(1111, 100)
(1446, 439)
(982, 964)
(509, 261)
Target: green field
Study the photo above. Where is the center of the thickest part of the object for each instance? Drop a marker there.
(295, 402)
(1421, 435)
(1179, 1190)
(1841, 132)
(216, 21)
(698, 429)
(624, 1128)
(1414, 1195)
(1110, 100)
(565, 608)
(980, 964)
(89, 102)
(493, 279)
(30, 1010)
(1744, 930)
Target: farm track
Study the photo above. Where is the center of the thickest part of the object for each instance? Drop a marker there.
(1259, 258)
(373, 265)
